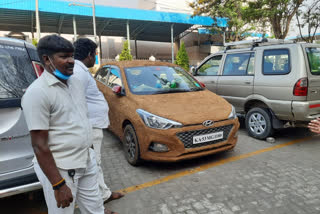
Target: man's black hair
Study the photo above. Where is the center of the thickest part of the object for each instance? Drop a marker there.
(52, 44)
(83, 47)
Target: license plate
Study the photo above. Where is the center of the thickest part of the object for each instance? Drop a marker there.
(207, 137)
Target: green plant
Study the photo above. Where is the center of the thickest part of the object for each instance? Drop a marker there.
(182, 57)
(35, 42)
(125, 53)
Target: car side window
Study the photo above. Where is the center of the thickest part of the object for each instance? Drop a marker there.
(211, 67)
(102, 75)
(276, 62)
(16, 71)
(114, 77)
(240, 64)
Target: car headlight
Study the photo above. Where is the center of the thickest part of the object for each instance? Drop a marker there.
(233, 114)
(157, 122)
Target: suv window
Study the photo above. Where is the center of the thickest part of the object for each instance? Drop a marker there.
(276, 62)
(314, 60)
(16, 71)
(240, 64)
(210, 67)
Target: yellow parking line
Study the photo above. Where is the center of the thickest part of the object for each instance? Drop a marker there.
(207, 166)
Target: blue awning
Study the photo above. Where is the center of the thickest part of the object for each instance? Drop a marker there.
(56, 17)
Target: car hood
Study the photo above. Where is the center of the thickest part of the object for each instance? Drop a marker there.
(187, 108)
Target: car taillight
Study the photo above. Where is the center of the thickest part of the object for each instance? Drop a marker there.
(301, 87)
(38, 68)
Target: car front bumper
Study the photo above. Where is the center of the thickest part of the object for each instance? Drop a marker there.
(181, 149)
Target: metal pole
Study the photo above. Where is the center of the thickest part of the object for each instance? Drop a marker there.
(224, 37)
(135, 42)
(95, 29)
(74, 28)
(94, 21)
(128, 36)
(172, 49)
(37, 20)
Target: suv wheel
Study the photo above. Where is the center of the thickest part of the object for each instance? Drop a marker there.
(131, 146)
(259, 123)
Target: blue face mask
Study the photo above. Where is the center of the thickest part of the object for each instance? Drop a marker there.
(58, 73)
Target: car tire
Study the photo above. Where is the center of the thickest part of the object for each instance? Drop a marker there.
(259, 123)
(131, 145)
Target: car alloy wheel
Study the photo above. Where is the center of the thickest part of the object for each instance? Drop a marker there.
(131, 145)
(259, 123)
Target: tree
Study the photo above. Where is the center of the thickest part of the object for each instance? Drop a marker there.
(309, 16)
(233, 10)
(125, 54)
(182, 57)
(278, 13)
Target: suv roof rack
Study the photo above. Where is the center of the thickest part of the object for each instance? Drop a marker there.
(256, 42)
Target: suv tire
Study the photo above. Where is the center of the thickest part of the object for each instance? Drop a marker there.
(259, 123)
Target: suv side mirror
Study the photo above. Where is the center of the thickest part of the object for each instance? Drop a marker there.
(193, 70)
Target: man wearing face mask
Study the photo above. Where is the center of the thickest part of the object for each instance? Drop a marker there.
(56, 114)
(84, 54)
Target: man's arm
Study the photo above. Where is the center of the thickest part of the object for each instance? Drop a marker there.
(39, 139)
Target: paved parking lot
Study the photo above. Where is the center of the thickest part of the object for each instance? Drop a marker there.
(256, 177)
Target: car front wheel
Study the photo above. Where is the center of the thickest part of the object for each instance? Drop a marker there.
(131, 145)
(259, 123)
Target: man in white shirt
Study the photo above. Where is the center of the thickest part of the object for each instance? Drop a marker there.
(85, 52)
(56, 114)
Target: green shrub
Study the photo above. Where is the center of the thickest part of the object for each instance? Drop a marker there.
(125, 54)
(182, 57)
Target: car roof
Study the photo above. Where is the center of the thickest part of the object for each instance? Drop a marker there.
(139, 63)
(12, 40)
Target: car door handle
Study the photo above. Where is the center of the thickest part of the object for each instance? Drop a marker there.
(247, 82)
(212, 81)
(314, 91)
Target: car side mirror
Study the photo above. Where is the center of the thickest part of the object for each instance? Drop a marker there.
(117, 90)
(193, 70)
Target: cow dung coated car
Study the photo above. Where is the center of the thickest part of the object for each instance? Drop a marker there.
(19, 67)
(161, 113)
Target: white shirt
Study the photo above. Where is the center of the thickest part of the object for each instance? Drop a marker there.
(97, 105)
(49, 104)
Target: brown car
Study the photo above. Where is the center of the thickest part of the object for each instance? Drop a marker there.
(161, 113)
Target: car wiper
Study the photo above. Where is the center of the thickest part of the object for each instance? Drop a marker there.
(172, 91)
(196, 89)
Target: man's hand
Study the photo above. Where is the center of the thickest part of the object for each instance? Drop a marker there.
(63, 196)
(314, 126)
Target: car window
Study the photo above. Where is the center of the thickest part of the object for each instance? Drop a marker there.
(159, 80)
(238, 64)
(16, 71)
(102, 75)
(276, 62)
(114, 77)
(211, 67)
(314, 60)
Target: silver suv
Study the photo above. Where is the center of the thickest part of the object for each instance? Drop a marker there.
(19, 67)
(273, 83)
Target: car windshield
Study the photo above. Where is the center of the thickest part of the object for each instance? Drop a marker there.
(160, 80)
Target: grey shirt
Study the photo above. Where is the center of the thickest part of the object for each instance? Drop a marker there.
(49, 104)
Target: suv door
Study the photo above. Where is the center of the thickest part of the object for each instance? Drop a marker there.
(208, 72)
(236, 81)
(16, 74)
(313, 63)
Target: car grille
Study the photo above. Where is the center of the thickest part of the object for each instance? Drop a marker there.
(187, 137)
